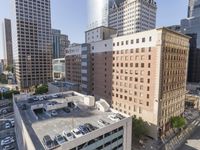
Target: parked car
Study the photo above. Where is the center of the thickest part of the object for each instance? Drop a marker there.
(54, 113)
(7, 140)
(90, 127)
(48, 142)
(102, 123)
(60, 139)
(67, 110)
(7, 125)
(77, 132)
(68, 135)
(113, 117)
(9, 147)
(83, 129)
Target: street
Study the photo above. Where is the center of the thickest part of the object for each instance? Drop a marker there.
(192, 143)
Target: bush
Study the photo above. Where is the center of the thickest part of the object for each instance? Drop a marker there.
(139, 128)
(178, 122)
(41, 89)
(9, 94)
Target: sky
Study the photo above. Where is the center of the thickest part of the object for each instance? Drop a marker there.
(70, 16)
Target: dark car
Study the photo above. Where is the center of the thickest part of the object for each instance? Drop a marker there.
(83, 129)
(71, 105)
(67, 110)
(90, 127)
(48, 142)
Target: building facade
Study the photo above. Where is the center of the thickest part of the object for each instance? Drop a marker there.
(73, 63)
(7, 42)
(143, 74)
(32, 42)
(60, 43)
(99, 33)
(59, 69)
(191, 27)
(131, 16)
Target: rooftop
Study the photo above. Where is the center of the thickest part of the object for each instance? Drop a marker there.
(36, 112)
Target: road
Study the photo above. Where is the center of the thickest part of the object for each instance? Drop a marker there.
(192, 143)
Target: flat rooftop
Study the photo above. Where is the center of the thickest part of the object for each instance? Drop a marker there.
(39, 122)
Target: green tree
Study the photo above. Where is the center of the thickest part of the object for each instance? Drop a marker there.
(139, 128)
(9, 68)
(3, 79)
(41, 89)
(9, 94)
(178, 122)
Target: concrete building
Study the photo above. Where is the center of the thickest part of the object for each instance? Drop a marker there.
(145, 81)
(32, 42)
(143, 74)
(131, 16)
(60, 43)
(192, 101)
(191, 27)
(62, 86)
(7, 42)
(99, 33)
(34, 122)
(58, 69)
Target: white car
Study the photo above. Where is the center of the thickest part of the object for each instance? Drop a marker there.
(60, 139)
(102, 123)
(113, 117)
(68, 135)
(7, 125)
(7, 140)
(77, 132)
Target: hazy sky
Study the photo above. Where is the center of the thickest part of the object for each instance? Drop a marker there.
(71, 16)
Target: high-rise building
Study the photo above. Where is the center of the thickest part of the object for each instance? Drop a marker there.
(191, 27)
(194, 8)
(98, 11)
(7, 42)
(142, 74)
(131, 16)
(60, 43)
(32, 42)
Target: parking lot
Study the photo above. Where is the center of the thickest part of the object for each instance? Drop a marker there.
(7, 133)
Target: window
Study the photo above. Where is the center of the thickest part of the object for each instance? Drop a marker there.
(132, 41)
(143, 40)
(122, 42)
(137, 41)
(142, 65)
(150, 39)
(126, 42)
(147, 103)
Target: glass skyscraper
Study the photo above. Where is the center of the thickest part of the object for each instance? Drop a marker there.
(98, 11)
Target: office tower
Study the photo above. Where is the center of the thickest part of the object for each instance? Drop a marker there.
(98, 11)
(73, 63)
(104, 127)
(142, 74)
(7, 42)
(32, 42)
(191, 26)
(131, 16)
(194, 8)
(64, 43)
(60, 43)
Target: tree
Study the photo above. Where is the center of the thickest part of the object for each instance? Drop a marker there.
(139, 128)
(9, 94)
(9, 68)
(41, 89)
(178, 122)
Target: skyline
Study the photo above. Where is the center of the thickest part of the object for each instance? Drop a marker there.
(74, 24)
